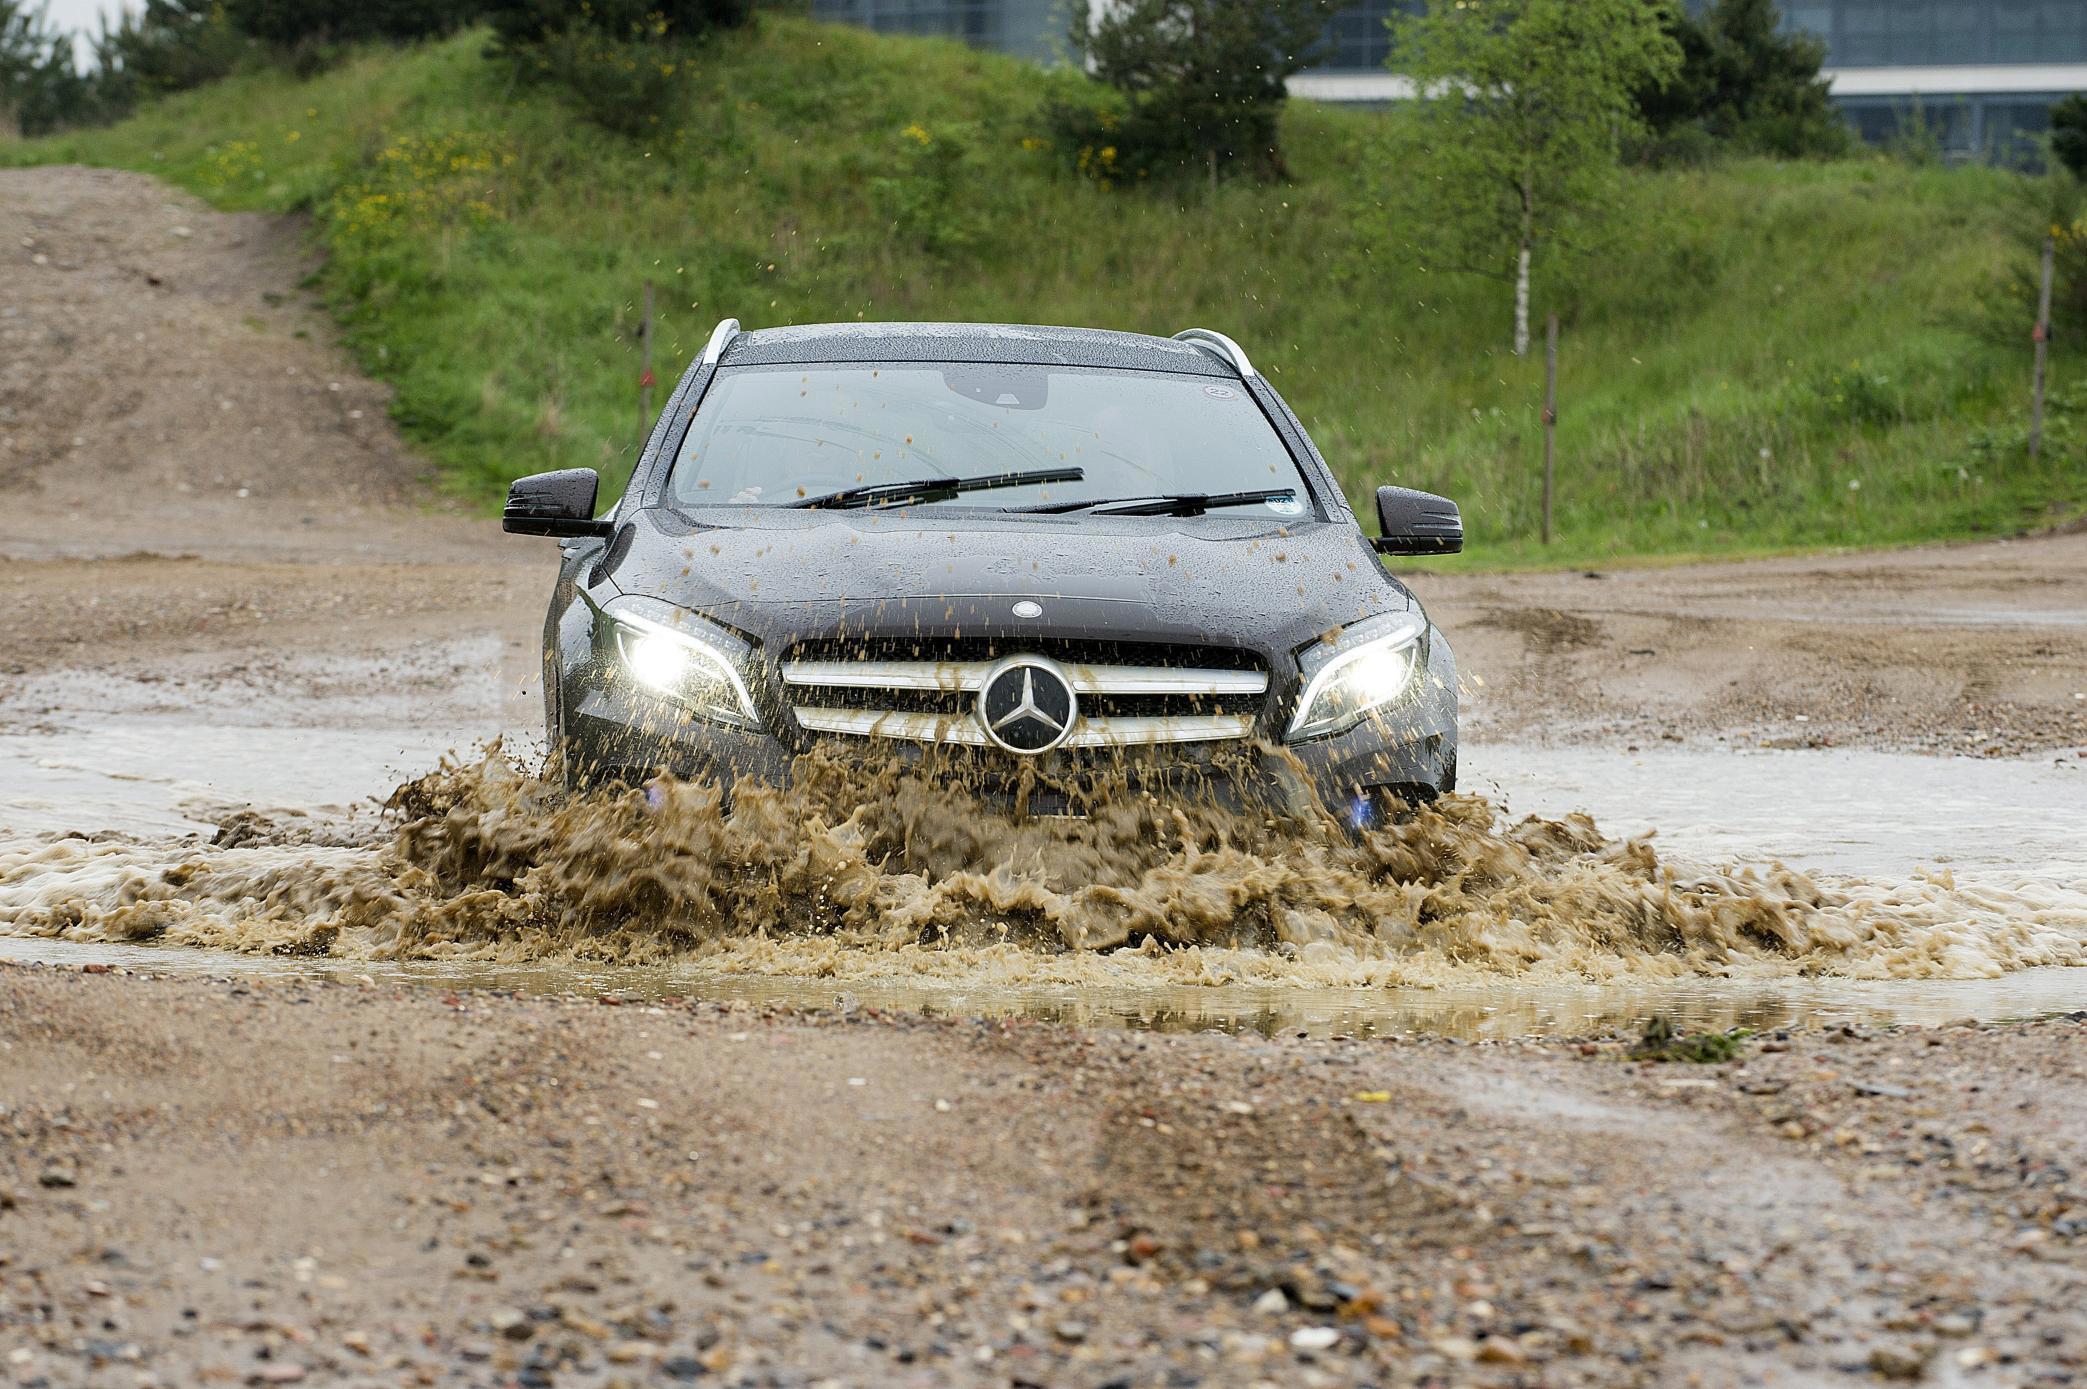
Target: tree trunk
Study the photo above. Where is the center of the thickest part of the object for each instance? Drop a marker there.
(1522, 270)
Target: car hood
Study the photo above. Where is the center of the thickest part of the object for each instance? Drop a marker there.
(781, 576)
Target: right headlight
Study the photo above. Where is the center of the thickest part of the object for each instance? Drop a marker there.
(1365, 668)
(674, 653)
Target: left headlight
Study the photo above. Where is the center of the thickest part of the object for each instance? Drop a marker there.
(1366, 668)
(675, 654)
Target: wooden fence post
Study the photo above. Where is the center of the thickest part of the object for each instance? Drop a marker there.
(645, 371)
(1550, 414)
(2043, 343)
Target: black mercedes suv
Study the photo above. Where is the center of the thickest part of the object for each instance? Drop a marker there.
(1038, 552)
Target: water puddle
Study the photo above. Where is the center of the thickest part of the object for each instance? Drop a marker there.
(1469, 1012)
(1780, 887)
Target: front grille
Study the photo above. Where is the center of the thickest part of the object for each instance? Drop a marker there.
(1130, 694)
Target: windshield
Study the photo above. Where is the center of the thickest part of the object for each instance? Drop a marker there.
(775, 436)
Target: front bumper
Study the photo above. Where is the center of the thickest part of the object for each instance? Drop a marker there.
(608, 730)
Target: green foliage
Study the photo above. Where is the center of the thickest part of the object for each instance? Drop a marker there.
(39, 89)
(2069, 134)
(290, 23)
(630, 85)
(168, 46)
(1202, 84)
(1662, 1041)
(521, 23)
(1856, 395)
(623, 63)
(1523, 107)
(2054, 206)
(1743, 87)
(496, 285)
(925, 196)
(2006, 443)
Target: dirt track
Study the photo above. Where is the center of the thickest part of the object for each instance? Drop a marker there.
(386, 1187)
(228, 1182)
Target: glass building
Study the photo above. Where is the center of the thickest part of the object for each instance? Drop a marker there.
(1976, 76)
(1027, 28)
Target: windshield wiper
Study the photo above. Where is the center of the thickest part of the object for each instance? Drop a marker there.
(936, 489)
(1170, 504)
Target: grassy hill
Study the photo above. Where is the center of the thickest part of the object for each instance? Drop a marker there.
(1777, 356)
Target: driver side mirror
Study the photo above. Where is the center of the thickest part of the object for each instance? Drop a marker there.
(560, 503)
(1417, 523)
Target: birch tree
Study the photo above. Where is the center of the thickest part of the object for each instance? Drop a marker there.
(1522, 109)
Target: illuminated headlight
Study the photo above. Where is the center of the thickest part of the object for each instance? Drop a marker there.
(681, 657)
(1346, 680)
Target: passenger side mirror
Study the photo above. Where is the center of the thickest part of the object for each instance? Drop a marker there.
(1417, 523)
(560, 503)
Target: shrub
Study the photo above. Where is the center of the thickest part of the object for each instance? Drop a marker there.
(1859, 396)
(924, 198)
(623, 62)
(519, 24)
(1202, 85)
(169, 46)
(40, 90)
(626, 85)
(1743, 86)
(416, 185)
(2006, 444)
(291, 24)
(2069, 134)
(2054, 206)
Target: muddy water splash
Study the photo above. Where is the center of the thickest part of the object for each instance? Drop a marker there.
(859, 872)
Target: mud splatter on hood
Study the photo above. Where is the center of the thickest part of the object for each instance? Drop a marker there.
(855, 872)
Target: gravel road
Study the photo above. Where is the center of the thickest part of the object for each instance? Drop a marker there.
(237, 1182)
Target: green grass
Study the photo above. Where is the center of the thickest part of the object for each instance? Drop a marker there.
(1776, 356)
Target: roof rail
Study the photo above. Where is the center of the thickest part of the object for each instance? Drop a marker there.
(720, 339)
(1212, 340)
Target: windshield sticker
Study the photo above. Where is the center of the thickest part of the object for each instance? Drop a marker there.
(1285, 506)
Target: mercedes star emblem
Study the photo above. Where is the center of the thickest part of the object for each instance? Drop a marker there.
(1026, 705)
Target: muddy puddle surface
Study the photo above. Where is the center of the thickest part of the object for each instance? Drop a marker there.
(1779, 887)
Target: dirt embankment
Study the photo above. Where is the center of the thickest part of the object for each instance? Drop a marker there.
(268, 1182)
(201, 499)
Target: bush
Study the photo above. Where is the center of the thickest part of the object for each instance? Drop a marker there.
(1743, 86)
(292, 24)
(2069, 135)
(1202, 85)
(520, 24)
(623, 62)
(626, 85)
(169, 46)
(2064, 439)
(2054, 206)
(39, 89)
(1854, 395)
(924, 199)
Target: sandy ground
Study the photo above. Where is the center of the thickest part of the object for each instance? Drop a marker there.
(206, 507)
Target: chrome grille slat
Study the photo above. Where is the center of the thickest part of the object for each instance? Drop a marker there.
(1099, 732)
(964, 677)
(930, 701)
(882, 723)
